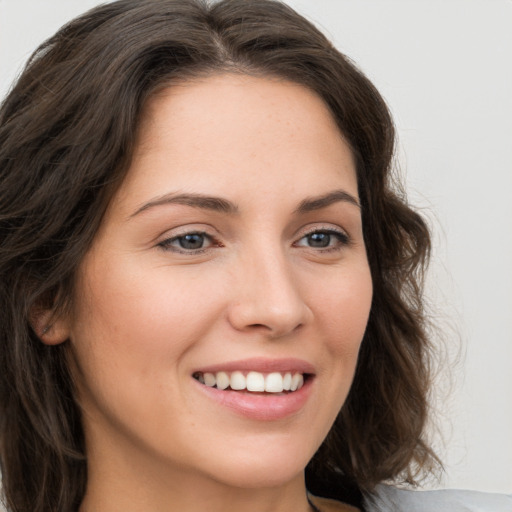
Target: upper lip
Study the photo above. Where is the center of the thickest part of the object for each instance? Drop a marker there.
(262, 365)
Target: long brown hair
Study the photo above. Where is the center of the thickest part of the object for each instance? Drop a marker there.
(67, 132)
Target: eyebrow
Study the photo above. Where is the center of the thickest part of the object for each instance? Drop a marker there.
(317, 203)
(222, 205)
(216, 204)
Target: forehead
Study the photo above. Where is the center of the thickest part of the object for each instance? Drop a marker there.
(238, 129)
(221, 104)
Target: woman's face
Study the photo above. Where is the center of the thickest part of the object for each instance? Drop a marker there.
(232, 254)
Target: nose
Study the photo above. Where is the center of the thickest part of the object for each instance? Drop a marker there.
(267, 298)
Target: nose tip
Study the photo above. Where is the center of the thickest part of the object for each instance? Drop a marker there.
(269, 303)
(272, 321)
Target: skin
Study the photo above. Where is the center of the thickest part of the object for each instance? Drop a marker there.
(147, 312)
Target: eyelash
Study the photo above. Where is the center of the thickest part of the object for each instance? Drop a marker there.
(166, 244)
(342, 238)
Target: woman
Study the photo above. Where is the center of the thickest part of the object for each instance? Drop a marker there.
(211, 292)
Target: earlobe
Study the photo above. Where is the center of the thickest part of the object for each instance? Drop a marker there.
(49, 328)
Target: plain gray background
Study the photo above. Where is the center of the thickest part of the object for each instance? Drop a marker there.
(444, 67)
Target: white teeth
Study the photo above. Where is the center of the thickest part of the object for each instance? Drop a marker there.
(297, 382)
(209, 379)
(287, 381)
(222, 380)
(255, 381)
(274, 382)
(238, 381)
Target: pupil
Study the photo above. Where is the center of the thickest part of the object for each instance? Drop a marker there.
(319, 239)
(191, 241)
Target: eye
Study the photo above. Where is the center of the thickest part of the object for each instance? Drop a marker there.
(324, 239)
(188, 242)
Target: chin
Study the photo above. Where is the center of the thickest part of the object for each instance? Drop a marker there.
(261, 470)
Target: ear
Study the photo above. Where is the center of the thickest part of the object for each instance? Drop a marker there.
(49, 328)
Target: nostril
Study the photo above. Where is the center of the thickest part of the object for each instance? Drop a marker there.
(274, 330)
(269, 312)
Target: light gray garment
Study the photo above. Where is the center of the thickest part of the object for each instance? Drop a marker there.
(390, 499)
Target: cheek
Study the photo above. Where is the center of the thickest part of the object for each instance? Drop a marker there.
(135, 327)
(132, 330)
(344, 312)
(341, 315)
(130, 305)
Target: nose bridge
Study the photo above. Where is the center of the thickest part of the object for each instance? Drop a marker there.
(267, 298)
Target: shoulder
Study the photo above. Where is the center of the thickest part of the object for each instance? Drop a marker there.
(387, 498)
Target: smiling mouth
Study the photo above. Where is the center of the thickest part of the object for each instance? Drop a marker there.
(253, 382)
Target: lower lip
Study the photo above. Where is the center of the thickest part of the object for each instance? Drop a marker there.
(262, 407)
